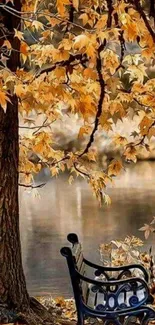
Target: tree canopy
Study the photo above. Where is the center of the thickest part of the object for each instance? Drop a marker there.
(91, 59)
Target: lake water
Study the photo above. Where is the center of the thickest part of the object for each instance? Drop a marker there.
(64, 208)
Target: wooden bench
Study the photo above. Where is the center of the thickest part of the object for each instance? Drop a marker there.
(114, 299)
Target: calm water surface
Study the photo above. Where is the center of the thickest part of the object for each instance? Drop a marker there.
(64, 208)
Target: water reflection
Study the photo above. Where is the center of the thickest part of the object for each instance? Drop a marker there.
(64, 208)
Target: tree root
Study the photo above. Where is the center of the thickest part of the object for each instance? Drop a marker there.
(36, 314)
(6, 315)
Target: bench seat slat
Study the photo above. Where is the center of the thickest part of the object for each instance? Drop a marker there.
(85, 290)
(79, 263)
(76, 251)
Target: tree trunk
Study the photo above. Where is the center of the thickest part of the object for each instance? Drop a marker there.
(13, 291)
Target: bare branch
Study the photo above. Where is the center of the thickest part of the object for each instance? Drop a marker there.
(82, 59)
(30, 16)
(31, 185)
(80, 171)
(38, 127)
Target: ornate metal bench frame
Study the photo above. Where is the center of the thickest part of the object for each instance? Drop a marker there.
(111, 288)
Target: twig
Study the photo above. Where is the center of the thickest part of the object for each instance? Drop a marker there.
(31, 185)
(33, 16)
(141, 141)
(80, 171)
(38, 127)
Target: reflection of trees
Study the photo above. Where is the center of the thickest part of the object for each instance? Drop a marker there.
(65, 208)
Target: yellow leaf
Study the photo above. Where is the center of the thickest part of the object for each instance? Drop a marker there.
(76, 4)
(116, 106)
(106, 199)
(61, 6)
(130, 31)
(60, 55)
(114, 168)
(138, 88)
(131, 154)
(29, 121)
(45, 34)
(111, 60)
(91, 155)
(54, 21)
(90, 73)
(101, 22)
(7, 44)
(84, 130)
(84, 18)
(120, 7)
(19, 90)
(124, 97)
(137, 72)
(132, 59)
(104, 121)
(145, 125)
(71, 179)
(3, 100)
(148, 53)
(54, 171)
(120, 140)
(18, 34)
(81, 41)
(24, 48)
(60, 301)
(151, 133)
(60, 72)
(86, 106)
(37, 25)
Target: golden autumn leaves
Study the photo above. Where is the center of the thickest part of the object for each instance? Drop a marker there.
(60, 78)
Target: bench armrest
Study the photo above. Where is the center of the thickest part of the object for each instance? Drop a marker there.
(103, 269)
(112, 282)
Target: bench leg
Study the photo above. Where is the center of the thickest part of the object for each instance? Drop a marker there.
(80, 319)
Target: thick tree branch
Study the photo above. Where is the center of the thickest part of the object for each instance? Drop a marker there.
(110, 11)
(100, 102)
(122, 44)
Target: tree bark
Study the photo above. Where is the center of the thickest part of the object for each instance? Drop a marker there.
(13, 291)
